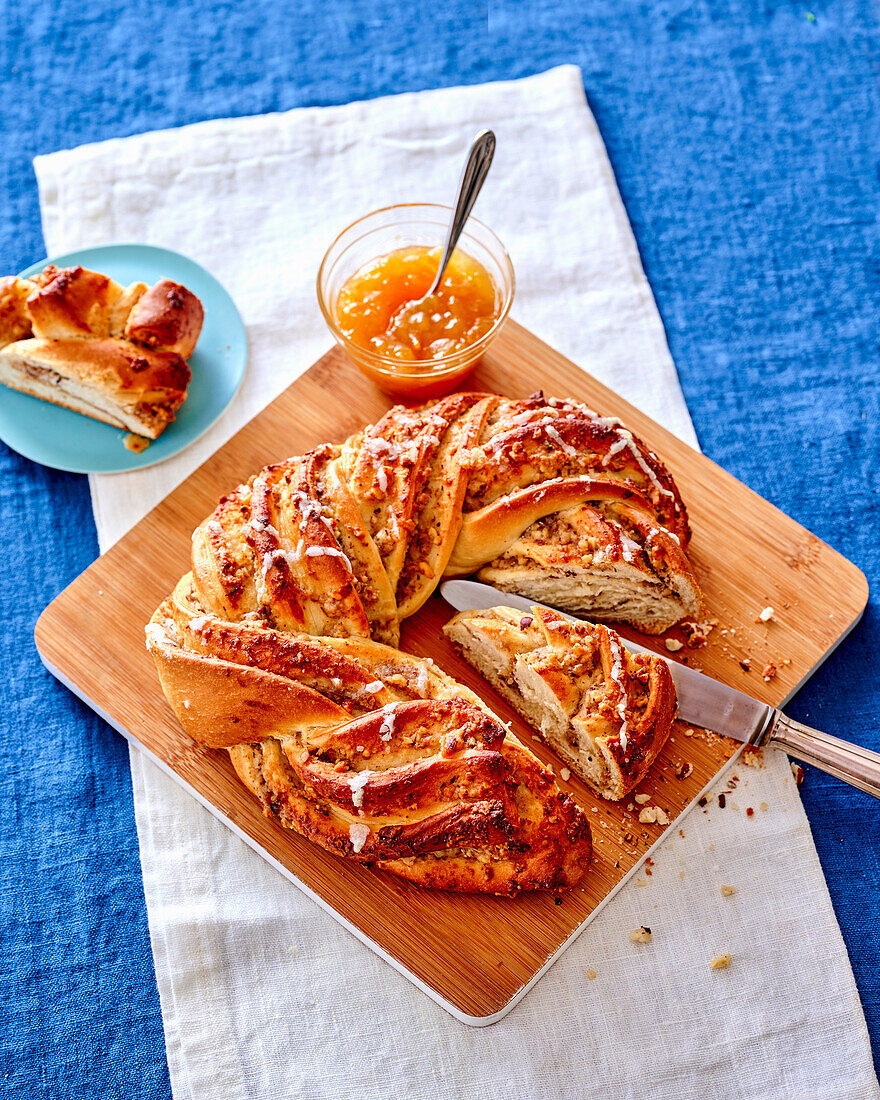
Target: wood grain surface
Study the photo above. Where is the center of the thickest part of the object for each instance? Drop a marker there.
(476, 953)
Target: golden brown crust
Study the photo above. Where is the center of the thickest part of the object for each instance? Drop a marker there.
(15, 321)
(61, 339)
(73, 303)
(168, 317)
(605, 711)
(119, 379)
(270, 647)
(399, 770)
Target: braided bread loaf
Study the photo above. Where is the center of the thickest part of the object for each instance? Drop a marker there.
(279, 645)
(370, 752)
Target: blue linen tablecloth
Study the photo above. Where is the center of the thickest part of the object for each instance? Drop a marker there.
(744, 138)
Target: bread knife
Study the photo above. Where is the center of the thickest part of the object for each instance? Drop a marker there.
(705, 702)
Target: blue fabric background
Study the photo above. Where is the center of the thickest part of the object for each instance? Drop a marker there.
(744, 136)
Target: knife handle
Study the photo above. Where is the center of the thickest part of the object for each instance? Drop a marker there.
(854, 764)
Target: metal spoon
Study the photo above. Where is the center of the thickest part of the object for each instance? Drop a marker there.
(473, 176)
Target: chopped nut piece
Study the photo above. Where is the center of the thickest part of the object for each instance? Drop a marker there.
(662, 817)
(564, 774)
(766, 615)
(673, 645)
(684, 770)
(745, 664)
(722, 800)
(591, 974)
(728, 891)
(769, 671)
(525, 622)
(798, 772)
(720, 962)
(764, 806)
(643, 935)
(642, 798)
(648, 816)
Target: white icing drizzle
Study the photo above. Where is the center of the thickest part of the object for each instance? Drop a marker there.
(357, 784)
(358, 834)
(335, 681)
(187, 704)
(625, 439)
(422, 679)
(294, 557)
(260, 527)
(382, 479)
(198, 623)
(617, 667)
(377, 447)
(387, 728)
(614, 449)
(630, 546)
(374, 687)
(309, 508)
(214, 527)
(156, 633)
(551, 431)
(328, 552)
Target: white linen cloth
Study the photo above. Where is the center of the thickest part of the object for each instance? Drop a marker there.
(264, 994)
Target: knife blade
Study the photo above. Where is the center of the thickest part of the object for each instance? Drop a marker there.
(705, 702)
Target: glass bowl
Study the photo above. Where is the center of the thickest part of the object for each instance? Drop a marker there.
(384, 231)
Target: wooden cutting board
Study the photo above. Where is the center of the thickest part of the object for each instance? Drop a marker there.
(474, 955)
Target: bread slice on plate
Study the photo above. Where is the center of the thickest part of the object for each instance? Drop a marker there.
(78, 339)
(110, 380)
(605, 712)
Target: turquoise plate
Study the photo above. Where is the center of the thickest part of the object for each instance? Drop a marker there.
(66, 440)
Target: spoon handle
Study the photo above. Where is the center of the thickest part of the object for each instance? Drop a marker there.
(473, 175)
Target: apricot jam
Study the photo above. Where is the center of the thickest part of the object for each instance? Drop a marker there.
(375, 311)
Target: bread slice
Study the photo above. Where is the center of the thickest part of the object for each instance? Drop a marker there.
(605, 712)
(167, 317)
(109, 380)
(78, 339)
(580, 559)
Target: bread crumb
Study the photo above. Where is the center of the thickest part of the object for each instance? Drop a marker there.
(648, 815)
(564, 774)
(728, 891)
(674, 645)
(643, 935)
(640, 882)
(642, 798)
(765, 615)
(689, 733)
(720, 962)
(681, 874)
(764, 807)
(769, 671)
(591, 974)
